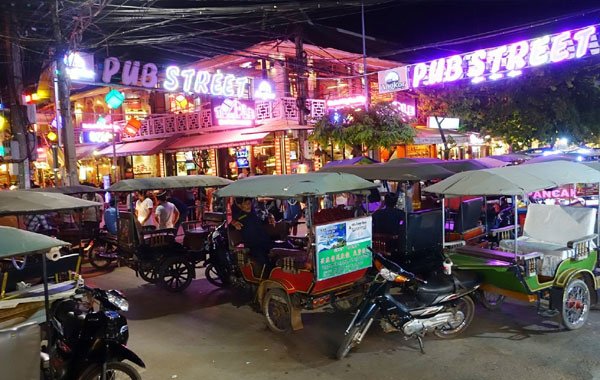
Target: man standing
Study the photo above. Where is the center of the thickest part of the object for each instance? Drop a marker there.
(388, 220)
(92, 216)
(166, 214)
(110, 217)
(143, 209)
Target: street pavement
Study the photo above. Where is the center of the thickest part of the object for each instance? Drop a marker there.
(200, 334)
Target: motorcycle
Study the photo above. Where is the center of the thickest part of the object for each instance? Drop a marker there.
(102, 250)
(441, 305)
(220, 270)
(88, 336)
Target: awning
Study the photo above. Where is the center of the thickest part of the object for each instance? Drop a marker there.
(218, 140)
(87, 150)
(428, 136)
(146, 147)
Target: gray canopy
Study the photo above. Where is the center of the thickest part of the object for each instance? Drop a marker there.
(177, 182)
(397, 172)
(32, 202)
(515, 180)
(75, 189)
(295, 185)
(20, 242)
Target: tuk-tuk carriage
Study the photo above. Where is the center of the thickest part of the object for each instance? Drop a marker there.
(159, 255)
(552, 260)
(325, 267)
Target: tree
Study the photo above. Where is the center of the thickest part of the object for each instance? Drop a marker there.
(381, 126)
(543, 104)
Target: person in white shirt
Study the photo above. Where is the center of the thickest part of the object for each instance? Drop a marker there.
(166, 214)
(143, 209)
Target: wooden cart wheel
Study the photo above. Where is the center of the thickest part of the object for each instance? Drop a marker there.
(176, 274)
(490, 300)
(148, 271)
(576, 303)
(277, 310)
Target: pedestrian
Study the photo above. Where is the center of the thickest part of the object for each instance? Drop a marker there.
(143, 210)
(245, 173)
(181, 208)
(292, 213)
(92, 216)
(111, 215)
(38, 223)
(166, 214)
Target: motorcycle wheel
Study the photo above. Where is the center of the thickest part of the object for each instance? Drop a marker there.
(575, 307)
(351, 340)
(212, 275)
(101, 255)
(176, 274)
(464, 305)
(277, 310)
(114, 371)
(148, 272)
(489, 300)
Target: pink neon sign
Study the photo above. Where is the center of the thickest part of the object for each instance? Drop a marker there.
(233, 112)
(556, 193)
(507, 60)
(345, 102)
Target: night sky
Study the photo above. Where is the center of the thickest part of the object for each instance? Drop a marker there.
(413, 23)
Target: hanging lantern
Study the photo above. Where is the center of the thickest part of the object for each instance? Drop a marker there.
(133, 126)
(114, 99)
(182, 101)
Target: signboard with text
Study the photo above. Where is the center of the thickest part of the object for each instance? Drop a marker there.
(343, 247)
(233, 112)
(393, 80)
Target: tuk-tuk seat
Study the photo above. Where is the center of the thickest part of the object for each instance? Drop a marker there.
(158, 238)
(558, 232)
(213, 219)
(386, 244)
(289, 257)
(194, 235)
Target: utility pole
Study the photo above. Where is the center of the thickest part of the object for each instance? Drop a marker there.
(301, 89)
(18, 119)
(64, 122)
(364, 49)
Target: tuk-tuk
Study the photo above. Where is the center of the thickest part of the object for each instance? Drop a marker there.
(552, 259)
(325, 267)
(159, 255)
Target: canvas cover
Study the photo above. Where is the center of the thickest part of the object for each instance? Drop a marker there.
(20, 242)
(398, 172)
(558, 224)
(295, 185)
(18, 202)
(161, 183)
(515, 180)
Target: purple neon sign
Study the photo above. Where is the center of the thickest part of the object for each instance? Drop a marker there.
(507, 61)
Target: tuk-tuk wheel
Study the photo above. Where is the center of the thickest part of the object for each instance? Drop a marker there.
(148, 272)
(576, 303)
(277, 310)
(490, 300)
(176, 274)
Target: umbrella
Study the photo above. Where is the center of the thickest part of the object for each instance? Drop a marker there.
(33, 202)
(19, 242)
(294, 185)
(177, 182)
(69, 190)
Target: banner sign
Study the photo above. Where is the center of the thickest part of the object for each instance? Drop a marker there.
(393, 80)
(233, 112)
(342, 247)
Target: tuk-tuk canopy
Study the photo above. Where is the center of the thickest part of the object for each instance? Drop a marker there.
(397, 172)
(17, 242)
(18, 202)
(515, 180)
(178, 182)
(295, 185)
(69, 190)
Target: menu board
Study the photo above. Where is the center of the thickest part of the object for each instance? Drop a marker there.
(342, 247)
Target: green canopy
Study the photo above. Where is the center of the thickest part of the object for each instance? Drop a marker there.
(32, 202)
(295, 185)
(398, 172)
(178, 182)
(69, 190)
(19, 242)
(516, 180)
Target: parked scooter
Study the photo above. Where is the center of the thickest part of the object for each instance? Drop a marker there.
(220, 270)
(102, 250)
(441, 305)
(87, 338)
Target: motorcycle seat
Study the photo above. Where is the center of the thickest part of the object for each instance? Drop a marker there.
(437, 285)
(466, 278)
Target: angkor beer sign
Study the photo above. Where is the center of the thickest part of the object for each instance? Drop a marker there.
(176, 79)
(507, 60)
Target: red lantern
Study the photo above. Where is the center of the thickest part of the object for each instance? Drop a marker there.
(133, 126)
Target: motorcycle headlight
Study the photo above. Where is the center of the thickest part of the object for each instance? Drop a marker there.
(118, 300)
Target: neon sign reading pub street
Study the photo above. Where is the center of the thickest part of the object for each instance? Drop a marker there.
(507, 60)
